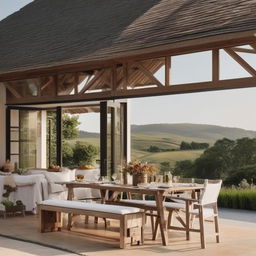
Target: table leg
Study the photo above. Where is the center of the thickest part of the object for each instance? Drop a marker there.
(187, 220)
(70, 197)
(162, 222)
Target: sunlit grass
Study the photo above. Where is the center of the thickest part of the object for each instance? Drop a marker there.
(237, 198)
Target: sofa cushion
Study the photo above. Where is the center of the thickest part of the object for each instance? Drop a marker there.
(53, 177)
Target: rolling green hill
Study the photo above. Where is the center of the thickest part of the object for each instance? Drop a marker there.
(169, 137)
(190, 132)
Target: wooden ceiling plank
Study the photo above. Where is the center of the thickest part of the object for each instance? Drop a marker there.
(241, 61)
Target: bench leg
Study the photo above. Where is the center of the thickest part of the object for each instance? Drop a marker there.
(123, 232)
(70, 217)
(49, 221)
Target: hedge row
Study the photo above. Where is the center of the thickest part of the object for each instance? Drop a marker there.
(237, 198)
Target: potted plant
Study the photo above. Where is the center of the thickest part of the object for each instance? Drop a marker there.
(8, 206)
(140, 171)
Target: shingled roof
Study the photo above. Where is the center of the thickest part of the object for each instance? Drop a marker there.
(49, 33)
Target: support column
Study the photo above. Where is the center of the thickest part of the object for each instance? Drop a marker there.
(2, 124)
(128, 132)
(59, 135)
(42, 153)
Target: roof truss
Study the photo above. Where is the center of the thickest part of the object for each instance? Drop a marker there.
(128, 78)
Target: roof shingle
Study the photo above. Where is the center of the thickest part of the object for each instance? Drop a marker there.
(47, 33)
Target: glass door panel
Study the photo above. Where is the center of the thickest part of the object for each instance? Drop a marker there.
(29, 138)
(112, 138)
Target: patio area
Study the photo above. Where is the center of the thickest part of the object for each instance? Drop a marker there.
(238, 231)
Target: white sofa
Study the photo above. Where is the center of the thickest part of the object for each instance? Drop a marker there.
(38, 185)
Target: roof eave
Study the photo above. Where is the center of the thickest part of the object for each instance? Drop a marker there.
(183, 47)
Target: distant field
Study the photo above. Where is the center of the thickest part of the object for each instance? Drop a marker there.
(171, 156)
(92, 141)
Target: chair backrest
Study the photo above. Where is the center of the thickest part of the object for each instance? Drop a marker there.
(211, 192)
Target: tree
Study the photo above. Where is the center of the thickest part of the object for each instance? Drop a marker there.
(154, 149)
(215, 162)
(70, 125)
(183, 168)
(244, 152)
(185, 146)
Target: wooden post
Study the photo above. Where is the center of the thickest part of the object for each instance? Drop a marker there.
(167, 70)
(215, 65)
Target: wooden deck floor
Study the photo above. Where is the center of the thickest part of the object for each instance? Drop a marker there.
(237, 239)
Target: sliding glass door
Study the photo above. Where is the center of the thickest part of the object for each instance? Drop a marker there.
(113, 139)
(23, 140)
(30, 142)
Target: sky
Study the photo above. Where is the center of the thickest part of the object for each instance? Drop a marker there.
(231, 108)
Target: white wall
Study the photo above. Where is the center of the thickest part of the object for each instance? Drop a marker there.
(2, 124)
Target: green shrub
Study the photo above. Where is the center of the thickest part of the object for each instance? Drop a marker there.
(67, 154)
(237, 198)
(84, 154)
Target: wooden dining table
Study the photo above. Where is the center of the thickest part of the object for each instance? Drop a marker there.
(159, 194)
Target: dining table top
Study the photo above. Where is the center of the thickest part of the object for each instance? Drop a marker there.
(143, 189)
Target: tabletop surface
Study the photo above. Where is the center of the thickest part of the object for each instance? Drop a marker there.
(146, 189)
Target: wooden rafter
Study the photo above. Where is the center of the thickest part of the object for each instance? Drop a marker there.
(241, 61)
(253, 46)
(245, 50)
(12, 90)
(147, 73)
(44, 86)
(90, 84)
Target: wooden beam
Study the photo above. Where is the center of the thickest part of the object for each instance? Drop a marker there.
(167, 70)
(253, 45)
(241, 61)
(156, 91)
(90, 84)
(215, 65)
(245, 50)
(51, 80)
(12, 90)
(147, 73)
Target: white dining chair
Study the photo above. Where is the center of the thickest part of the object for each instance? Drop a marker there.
(203, 209)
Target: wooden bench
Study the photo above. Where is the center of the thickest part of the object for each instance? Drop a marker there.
(131, 219)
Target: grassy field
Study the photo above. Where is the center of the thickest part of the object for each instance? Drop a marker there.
(171, 156)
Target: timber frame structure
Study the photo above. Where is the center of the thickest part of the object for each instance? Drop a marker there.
(113, 50)
(131, 77)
